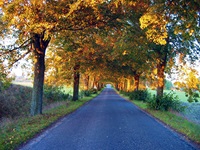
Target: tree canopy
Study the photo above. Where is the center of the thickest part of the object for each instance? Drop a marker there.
(121, 41)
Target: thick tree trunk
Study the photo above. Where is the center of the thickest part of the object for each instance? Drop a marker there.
(161, 64)
(76, 82)
(161, 78)
(136, 82)
(40, 46)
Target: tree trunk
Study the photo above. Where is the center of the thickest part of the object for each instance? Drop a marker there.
(86, 82)
(40, 46)
(94, 86)
(161, 77)
(117, 86)
(76, 82)
(161, 64)
(98, 86)
(136, 82)
(128, 85)
(125, 85)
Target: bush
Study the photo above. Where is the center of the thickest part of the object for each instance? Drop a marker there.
(166, 102)
(54, 93)
(15, 101)
(86, 93)
(93, 91)
(192, 96)
(141, 95)
(124, 93)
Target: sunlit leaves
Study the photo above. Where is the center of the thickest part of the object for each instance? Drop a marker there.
(155, 27)
(189, 82)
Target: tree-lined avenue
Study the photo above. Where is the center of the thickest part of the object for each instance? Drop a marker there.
(108, 122)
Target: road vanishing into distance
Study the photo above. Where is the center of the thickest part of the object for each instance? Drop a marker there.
(108, 122)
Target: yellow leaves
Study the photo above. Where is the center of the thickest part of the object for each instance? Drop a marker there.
(125, 53)
(155, 71)
(74, 7)
(117, 2)
(191, 32)
(188, 78)
(94, 2)
(99, 41)
(1, 3)
(147, 19)
(176, 31)
(132, 3)
(155, 26)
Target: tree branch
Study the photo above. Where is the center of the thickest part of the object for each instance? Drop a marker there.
(23, 45)
(15, 61)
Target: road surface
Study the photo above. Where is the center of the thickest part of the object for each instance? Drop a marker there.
(108, 122)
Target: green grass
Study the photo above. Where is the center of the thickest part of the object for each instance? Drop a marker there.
(178, 123)
(16, 133)
(68, 89)
(180, 94)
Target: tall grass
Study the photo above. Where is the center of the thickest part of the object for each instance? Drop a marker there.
(16, 100)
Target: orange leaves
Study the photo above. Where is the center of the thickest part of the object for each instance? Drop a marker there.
(1, 3)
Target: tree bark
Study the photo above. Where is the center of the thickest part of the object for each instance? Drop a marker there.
(76, 82)
(128, 85)
(86, 82)
(40, 46)
(161, 77)
(162, 52)
(136, 82)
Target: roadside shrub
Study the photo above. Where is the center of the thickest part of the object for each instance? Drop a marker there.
(141, 95)
(93, 91)
(125, 93)
(5, 81)
(166, 102)
(122, 92)
(192, 96)
(54, 93)
(86, 93)
(15, 101)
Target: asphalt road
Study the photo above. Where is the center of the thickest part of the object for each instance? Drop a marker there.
(108, 122)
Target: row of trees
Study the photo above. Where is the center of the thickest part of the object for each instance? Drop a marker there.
(117, 40)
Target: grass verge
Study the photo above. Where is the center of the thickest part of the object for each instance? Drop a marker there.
(14, 134)
(190, 130)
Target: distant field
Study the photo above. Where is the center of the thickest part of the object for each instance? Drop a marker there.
(23, 83)
(67, 89)
(180, 94)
